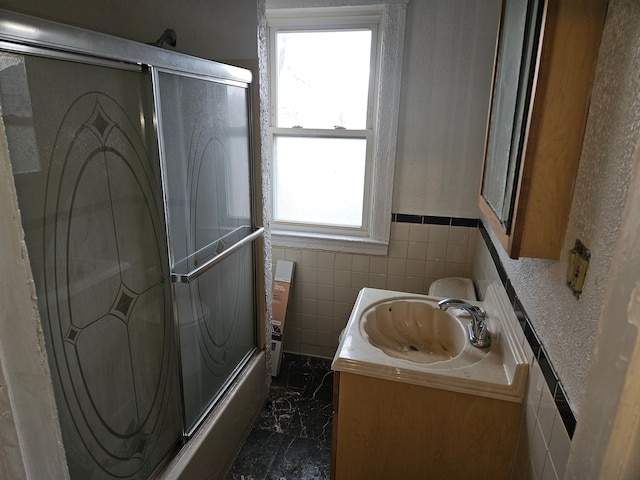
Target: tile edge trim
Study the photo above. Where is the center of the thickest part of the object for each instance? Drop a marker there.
(539, 351)
(435, 220)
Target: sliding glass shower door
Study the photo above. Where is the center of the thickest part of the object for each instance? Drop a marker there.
(85, 162)
(204, 126)
(133, 175)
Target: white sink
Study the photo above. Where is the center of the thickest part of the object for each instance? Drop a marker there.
(414, 330)
(405, 337)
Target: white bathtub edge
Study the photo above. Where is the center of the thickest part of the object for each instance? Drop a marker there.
(210, 452)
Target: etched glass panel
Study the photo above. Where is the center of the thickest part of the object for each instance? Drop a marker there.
(206, 149)
(86, 170)
(216, 313)
(204, 125)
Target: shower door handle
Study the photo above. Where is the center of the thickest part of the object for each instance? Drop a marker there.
(196, 272)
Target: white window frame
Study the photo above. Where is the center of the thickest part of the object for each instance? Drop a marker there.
(388, 20)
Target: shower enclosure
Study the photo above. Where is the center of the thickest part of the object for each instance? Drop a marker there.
(133, 175)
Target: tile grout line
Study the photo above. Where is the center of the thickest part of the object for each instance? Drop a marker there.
(540, 353)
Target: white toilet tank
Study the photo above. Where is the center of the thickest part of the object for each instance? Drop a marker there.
(453, 287)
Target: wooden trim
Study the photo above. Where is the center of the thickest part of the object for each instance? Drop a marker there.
(569, 52)
(494, 224)
(334, 424)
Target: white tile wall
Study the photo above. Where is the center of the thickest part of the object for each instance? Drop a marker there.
(326, 284)
(544, 444)
(325, 287)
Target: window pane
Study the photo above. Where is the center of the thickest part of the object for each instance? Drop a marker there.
(319, 180)
(323, 79)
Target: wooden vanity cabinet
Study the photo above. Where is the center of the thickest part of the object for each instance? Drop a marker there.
(553, 128)
(385, 429)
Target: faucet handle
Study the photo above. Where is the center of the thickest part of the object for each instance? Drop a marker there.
(463, 305)
(477, 328)
(478, 331)
(478, 311)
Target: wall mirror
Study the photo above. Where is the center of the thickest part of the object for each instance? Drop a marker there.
(512, 85)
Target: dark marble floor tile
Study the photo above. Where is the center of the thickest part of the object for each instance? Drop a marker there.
(303, 374)
(321, 387)
(257, 455)
(301, 459)
(290, 412)
(291, 438)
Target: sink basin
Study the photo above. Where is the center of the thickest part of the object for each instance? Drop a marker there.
(405, 337)
(414, 331)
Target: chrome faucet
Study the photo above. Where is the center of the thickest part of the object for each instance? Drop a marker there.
(477, 327)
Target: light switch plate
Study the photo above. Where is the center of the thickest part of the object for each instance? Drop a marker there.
(579, 257)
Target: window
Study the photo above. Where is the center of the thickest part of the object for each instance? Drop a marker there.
(333, 124)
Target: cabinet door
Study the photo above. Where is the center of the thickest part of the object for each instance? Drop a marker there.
(536, 127)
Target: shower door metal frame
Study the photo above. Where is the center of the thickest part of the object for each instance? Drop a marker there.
(24, 34)
(185, 278)
(62, 39)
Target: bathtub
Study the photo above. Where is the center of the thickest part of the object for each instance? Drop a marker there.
(211, 450)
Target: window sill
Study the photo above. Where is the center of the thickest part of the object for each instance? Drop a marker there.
(334, 243)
